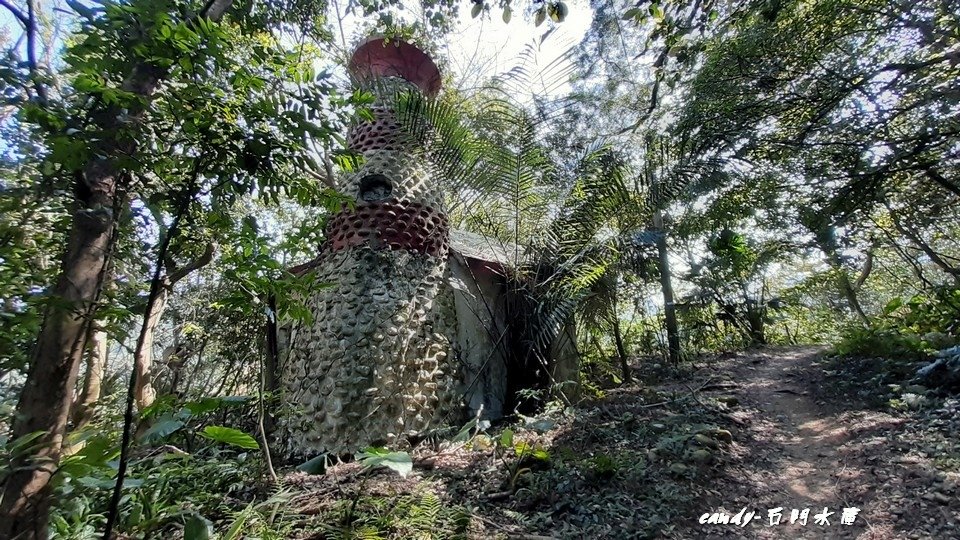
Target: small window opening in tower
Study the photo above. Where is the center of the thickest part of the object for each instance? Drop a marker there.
(375, 187)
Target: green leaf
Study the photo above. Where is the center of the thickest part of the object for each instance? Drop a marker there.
(464, 434)
(161, 429)
(163, 404)
(507, 15)
(477, 8)
(234, 531)
(317, 465)
(230, 436)
(396, 461)
(197, 527)
(97, 451)
(93, 482)
(208, 404)
(892, 306)
(506, 438)
(22, 445)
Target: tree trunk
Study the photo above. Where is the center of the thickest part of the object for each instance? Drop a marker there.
(143, 391)
(865, 272)
(45, 401)
(172, 359)
(271, 368)
(756, 315)
(621, 350)
(915, 267)
(824, 235)
(666, 286)
(846, 288)
(180, 364)
(82, 411)
(44, 404)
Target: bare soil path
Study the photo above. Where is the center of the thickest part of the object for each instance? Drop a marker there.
(803, 447)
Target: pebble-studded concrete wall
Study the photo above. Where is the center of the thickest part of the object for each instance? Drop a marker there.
(377, 361)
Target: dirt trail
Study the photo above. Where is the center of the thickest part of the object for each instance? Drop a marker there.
(812, 465)
(800, 451)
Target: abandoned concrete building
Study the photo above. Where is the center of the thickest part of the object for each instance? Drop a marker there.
(411, 331)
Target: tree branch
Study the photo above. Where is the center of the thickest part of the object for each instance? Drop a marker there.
(29, 22)
(865, 272)
(912, 235)
(330, 180)
(15, 12)
(214, 9)
(938, 178)
(199, 262)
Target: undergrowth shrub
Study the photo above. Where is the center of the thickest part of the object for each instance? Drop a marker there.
(909, 330)
(416, 516)
(882, 342)
(182, 469)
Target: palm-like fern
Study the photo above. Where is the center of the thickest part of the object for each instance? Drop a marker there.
(565, 229)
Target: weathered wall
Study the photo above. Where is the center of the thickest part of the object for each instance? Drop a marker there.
(566, 363)
(376, 362)
(478, 296)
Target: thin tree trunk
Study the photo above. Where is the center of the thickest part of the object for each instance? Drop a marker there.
(159, 289)
(790, 338)
(865, 272)
(666, 286)
(262, 410)
(44, 404)
(195, 372)
(843, 280)
(731, 318)
(271, 367)
(828, 245)
(940, 180)
(143, 390)
(596, 344)
(755, 323)
(173, 359)
(83, 407)
(621, 350)
(914, 266)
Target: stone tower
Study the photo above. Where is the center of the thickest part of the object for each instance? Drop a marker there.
(377, 361)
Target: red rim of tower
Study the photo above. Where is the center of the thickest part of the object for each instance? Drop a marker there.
(379, 57)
